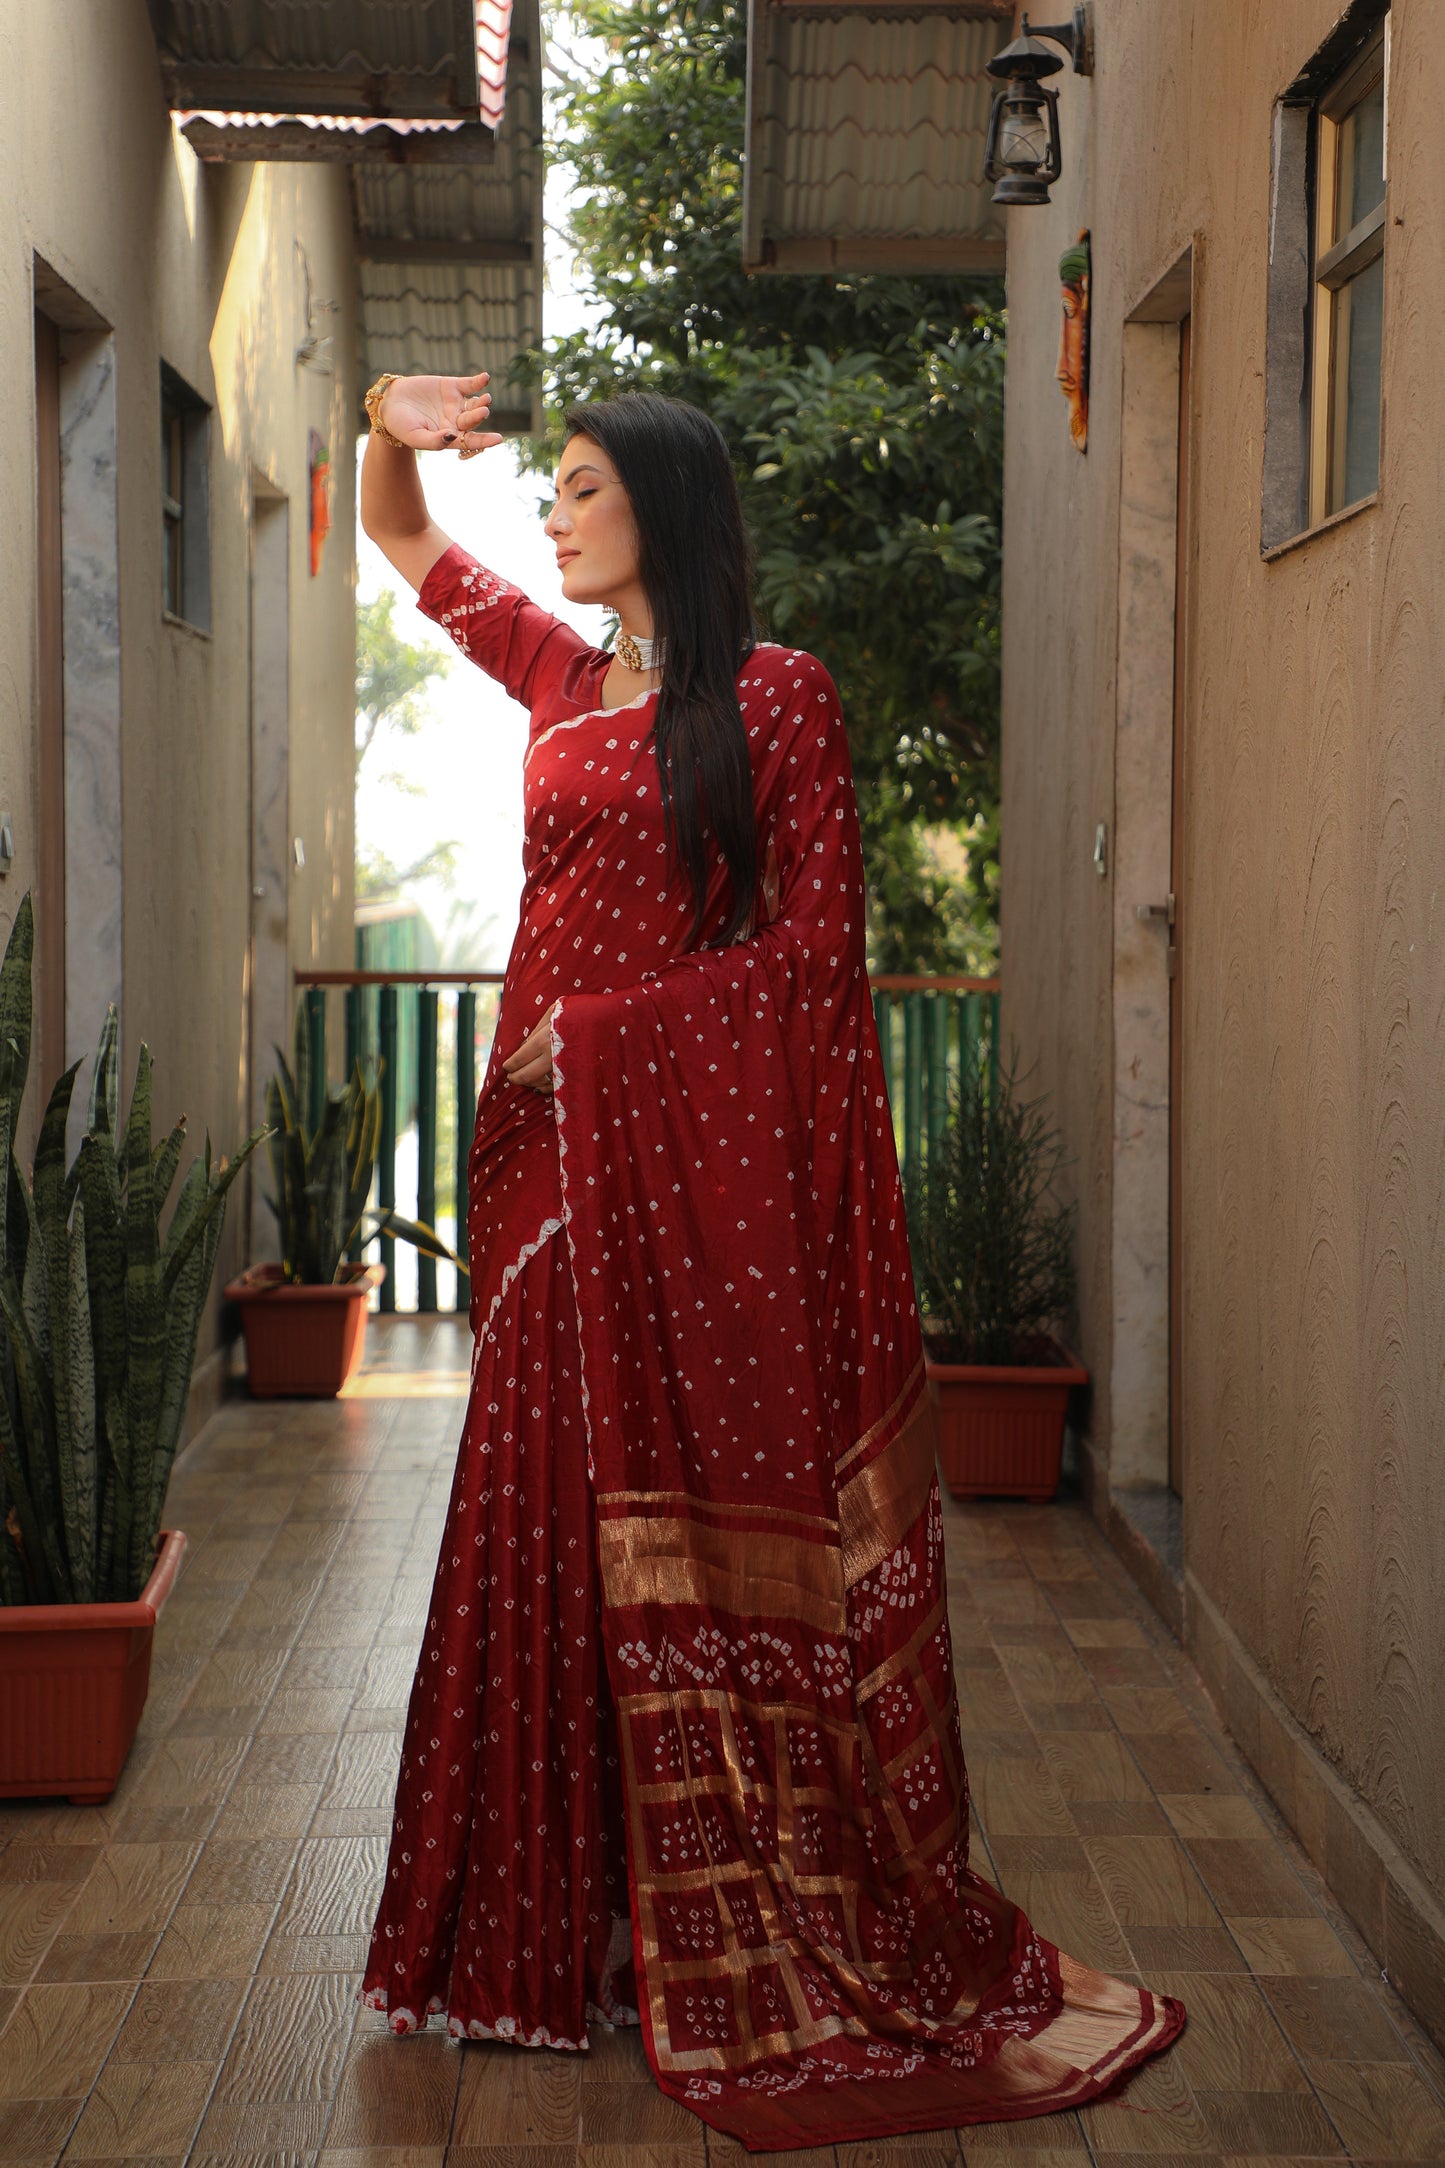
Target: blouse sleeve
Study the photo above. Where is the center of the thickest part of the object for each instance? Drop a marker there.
(497, 627)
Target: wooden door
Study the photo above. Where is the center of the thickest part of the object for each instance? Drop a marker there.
(1179, 903)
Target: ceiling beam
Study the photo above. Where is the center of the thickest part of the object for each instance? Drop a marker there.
(313, 90)
(920, 254)
(391, 248)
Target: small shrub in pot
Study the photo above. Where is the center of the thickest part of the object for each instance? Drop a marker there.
(993, 1257)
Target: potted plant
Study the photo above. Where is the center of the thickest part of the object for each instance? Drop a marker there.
(993, 1258)
(304, 1316)
(98, 1321)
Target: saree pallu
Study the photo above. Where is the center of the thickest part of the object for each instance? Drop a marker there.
(813, 1960)
(817, 1961)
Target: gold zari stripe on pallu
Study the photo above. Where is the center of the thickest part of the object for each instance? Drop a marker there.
(816, 1525)
(913, 1384)
(878, 1505)
(672, 1562)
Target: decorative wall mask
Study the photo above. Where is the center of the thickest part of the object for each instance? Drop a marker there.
(1073, 369)
(318, 461)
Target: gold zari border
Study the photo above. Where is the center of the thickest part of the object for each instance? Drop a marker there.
(878, 1505)
(672, 1562)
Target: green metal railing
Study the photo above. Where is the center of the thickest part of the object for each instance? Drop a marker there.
(927, 1028)
(452, 1015)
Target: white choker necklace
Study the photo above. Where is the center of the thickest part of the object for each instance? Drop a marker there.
(636, 654)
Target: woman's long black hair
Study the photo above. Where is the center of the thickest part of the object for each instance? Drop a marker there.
(694, 564)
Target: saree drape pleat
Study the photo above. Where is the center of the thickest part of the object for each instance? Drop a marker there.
(716, 1188)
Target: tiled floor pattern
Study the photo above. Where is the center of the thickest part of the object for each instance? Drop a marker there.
(178, 1967)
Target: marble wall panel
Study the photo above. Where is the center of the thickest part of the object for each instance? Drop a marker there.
(90, 577)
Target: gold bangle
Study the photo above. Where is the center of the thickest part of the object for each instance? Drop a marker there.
(372, 403)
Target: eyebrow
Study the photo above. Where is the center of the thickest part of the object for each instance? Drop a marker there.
(583, 466)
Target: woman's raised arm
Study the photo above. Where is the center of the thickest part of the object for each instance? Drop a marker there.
(417, 414)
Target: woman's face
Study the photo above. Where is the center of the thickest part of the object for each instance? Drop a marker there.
(594, 532)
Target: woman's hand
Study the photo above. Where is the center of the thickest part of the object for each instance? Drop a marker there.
(433, 413)
(532, 1062)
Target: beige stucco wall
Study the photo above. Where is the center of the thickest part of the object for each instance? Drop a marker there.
(1312, 895)
(201, 268)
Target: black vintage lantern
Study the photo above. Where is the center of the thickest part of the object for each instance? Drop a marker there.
(1022, 151)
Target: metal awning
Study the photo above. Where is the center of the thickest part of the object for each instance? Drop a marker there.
(865, 133)
(398, 59)
(450, 257)
(436, 108)
(402, 81)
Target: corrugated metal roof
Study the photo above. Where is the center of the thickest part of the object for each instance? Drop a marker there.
(494, 30)
(866, 129)
(422, 204)
(448, 212)
(425, 319)
(381, 132)
(451, 255)
(336, 138)
(394, 58)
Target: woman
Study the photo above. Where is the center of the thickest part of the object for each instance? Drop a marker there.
(683, 1742)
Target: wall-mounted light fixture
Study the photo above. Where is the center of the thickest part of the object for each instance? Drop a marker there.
(1022, 152)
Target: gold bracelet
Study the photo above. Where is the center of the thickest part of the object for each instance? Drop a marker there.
(372, 403)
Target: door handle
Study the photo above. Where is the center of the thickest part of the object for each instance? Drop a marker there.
(1167, 911)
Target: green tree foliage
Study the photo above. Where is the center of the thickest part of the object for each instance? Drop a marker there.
(392, 677)
(866, 416)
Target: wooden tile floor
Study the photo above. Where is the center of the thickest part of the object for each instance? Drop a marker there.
(178, 1968)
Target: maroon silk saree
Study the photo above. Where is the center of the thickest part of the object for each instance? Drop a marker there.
(684, 1742)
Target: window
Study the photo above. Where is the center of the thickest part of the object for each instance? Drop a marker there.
(1326, 286)
(1349, 286)
(185, 502)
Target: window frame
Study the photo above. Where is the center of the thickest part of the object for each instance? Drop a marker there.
(1336, 262)
(185, 517)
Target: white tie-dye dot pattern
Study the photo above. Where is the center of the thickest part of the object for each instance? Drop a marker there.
(692, 1302)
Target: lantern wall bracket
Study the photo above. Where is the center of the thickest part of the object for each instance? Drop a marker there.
(1076, 37)
(1022, 152)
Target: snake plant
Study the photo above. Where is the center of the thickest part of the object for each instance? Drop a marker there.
(98, 1317)
(322, 1176)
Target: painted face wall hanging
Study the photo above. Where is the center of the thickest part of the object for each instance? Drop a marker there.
(318, 462)
(1073, 369)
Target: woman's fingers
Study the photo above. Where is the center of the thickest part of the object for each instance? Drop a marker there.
(537, 1074)
(536, 1044)
(472, 418)
(532, 1061)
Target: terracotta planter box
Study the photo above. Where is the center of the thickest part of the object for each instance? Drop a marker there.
(302, 1343)
(1001, 1425)
(73, 1682)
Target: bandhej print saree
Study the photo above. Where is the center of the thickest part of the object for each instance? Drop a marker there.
(683, 1746)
